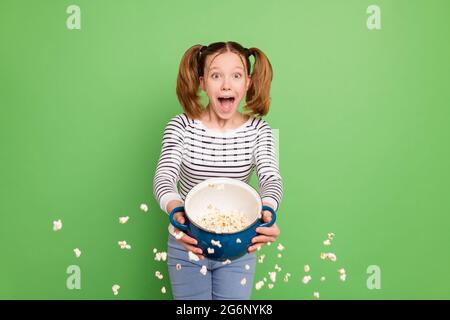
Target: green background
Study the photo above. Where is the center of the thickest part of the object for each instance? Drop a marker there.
(363, 119)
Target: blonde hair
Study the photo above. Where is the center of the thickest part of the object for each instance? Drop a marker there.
(192, 67)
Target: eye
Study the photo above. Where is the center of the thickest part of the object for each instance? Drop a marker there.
(237, 75)
(215, 75)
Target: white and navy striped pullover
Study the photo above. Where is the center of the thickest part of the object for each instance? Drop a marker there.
(191, 153)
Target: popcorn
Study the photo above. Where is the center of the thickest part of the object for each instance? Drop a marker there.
(143, 207)
(330, 256)
(306, 279)
(259, 285)
(270, 285)
(193, 256)
(238, 240)
(57, 225)
(316, 295)
(326, 242)
(286, 277)
(161, 256)
(243, 281)
(124, 245)
(261, 258)
(247, 267)
(277, 268)
(322, 279)
(273, 276)
(331, 236)
(218, 221)
(265, 279)
(218, 187)
(269, 243)
(77, 252)
(179, 235)
(123, 220)
(210, 250)
(306, 268)
(163, 289)
(228, 261)
(178, 266)
(203, 270)
(155, 250)
(279, 255)
(343, 277)
(158, 275)
(280, 247)
(258, 248)
(115, 289)
(216, 243)
(341, 271)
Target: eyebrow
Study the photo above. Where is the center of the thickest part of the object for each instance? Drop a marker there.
(238, 67)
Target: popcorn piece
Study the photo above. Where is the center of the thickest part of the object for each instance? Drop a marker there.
(158, 275)
(322, 279)
(115, 289)
(143, 207)
(243, 281)
(77, 252)
(247, 267)
(265, 279)
(228, 261)
(163, 289)
(316, 295)
(261, 258)
(277, 268)
(203, 270)
(155, 250)
(341, 271)
(216, 243)
(286, 277)
(219, 221)
(343, 277)
(270, 285)
(330, 256)
(323, 255)
(331, 236)
(124, 245)
(306, 268)
(280, 247)
(123, 220)
(269, 243)
(258, 248)
(179, 235)
(178, 266)
(57, 225)
(163, 256)
(210, 250)
(326, 242)
(279, 255)
(193, 256)
(306, 279)
(259, 285)
(238, 240)
(273, 276)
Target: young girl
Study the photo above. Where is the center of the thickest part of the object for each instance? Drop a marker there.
(218, 141)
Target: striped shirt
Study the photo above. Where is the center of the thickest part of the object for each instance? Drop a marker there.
(191, 153)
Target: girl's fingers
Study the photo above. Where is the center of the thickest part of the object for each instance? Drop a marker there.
(254, 247)
(263, 239)
(185, 238)
(269, 231)
(179, 217)
(195, 250)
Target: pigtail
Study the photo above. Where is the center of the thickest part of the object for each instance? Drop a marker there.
(258, 94)
(188, 82)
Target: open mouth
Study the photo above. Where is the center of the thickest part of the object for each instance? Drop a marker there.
(226, 103)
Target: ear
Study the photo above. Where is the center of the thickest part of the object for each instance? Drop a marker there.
(202, 83)
(248, 82)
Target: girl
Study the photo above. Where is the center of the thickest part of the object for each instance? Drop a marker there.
(217, 141)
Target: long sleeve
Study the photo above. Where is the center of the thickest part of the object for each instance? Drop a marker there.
(168, 168)
(266, 163)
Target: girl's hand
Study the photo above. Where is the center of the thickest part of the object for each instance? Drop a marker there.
(187, 242)
(267, 234)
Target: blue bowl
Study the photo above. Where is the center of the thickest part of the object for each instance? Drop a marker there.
(235, 194)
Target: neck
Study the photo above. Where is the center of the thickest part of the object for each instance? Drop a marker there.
(214, 120)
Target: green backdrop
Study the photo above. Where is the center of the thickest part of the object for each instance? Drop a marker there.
(363, 126)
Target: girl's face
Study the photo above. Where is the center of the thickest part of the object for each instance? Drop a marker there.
(226, 82)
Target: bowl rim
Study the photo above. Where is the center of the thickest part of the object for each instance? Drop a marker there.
(224, 180)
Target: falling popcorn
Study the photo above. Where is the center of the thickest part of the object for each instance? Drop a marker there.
(155, 250)
(124, 245)
(265, 279)
(193, 256)
(279, 255)
(238, 240)
(179, 235)
(163, 289)
(115, 289)
(326, 242)
(178, 266)
(57, 225)
(269, 243)
(261, 258)
(123, 220)
(203, 270)
(210, 250)
(228, 261)
(316, 295)
(243, 281)
(330, 256)
(277, 268)
(306, 268)
(273, 276)
(259, 285)
(258, 248)
(143, 207)
(331, 236)
(280, 247)
(161, 256)
(322, 279)
(286, 277)
(306, 279)
(158, 275)
(270, 285)
(77, 252)
(343, 277)
(247, 267)
(216, 243)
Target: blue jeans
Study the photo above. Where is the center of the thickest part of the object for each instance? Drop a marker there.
(221, 282)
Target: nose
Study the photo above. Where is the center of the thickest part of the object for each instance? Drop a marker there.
(226, 84)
